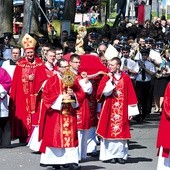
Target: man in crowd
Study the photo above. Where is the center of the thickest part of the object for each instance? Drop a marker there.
(7, 46)
(119, 97)
(34, 144)
(143, 85)
(58, 126)
(102, 48)
(5, 84)
(49, 64)
(27, 80)
(59, 53)
(83, 112)
(10, 65)
(44, 49)
(128, 65)
(71, 44)
(64, 36)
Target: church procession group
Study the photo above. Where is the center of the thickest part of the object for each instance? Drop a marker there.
(64, 105)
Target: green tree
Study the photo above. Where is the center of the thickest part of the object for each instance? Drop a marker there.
(30, 21)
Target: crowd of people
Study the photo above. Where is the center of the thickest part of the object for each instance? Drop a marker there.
(62, 98)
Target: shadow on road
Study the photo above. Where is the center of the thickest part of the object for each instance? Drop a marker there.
(85, 167)
(152, 121)
(138, 159)
(135, 145)
(13, 145)
(91, 167)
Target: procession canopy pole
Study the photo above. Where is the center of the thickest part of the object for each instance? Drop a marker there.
(43, 12)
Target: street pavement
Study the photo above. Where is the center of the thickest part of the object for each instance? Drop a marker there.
(142, 152)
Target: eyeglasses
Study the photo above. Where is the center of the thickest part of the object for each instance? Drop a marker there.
(102, 51)
(76, 62)
(63, 66)
(59, 53)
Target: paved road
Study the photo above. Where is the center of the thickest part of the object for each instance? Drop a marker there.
(142, 152)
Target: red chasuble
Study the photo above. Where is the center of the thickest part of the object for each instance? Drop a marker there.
(57, 128)
(163, 138)
(50, 73)
(92, 65)
(93, 101)
(83, 111)
(23, 96)
(113, 121)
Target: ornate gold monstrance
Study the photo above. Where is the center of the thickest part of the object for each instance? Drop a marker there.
(68, 81)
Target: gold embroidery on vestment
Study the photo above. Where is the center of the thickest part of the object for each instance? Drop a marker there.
(117, 110)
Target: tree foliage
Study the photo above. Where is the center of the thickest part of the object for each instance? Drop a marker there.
(33, 13)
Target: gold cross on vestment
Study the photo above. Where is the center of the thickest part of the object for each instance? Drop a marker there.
(66, 132)
(28, 42)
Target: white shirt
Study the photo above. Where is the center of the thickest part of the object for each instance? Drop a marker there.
(9, 68)
(150, 66)
(7, 53)
(3, 103)
(86, 86)
(131, 65)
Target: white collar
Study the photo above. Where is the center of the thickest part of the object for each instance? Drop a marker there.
(49, 66)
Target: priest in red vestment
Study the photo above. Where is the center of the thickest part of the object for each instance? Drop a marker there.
(33, 143)
(83, 111)
(95, 70)
(163, 139)
(58, 125)
(119, 104)
(27, 80)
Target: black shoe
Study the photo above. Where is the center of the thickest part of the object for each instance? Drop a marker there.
(56, 166)
(43, 165)
(113, 161)
(23, 140)
(74, 167)
(67, 166)
(107, 161)
(120, 160)
(94, 154)
(137, 119)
